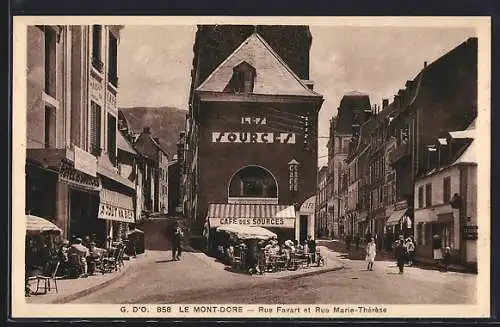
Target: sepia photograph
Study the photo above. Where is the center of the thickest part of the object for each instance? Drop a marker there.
(251, 167)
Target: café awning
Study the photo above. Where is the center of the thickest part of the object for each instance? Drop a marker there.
(35, 224)
(395, 217)
(247, 232)
(264, 215)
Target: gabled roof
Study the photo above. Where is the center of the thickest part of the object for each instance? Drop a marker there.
(123, 144)
(273, 76)
(146, 145)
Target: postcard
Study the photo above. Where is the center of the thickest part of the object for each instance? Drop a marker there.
(251, 167)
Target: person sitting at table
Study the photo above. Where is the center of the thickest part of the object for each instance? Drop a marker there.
(92, 259)
(62, 256)
(306, 252)
(82, 252)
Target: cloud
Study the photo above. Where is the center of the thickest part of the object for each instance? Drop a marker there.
(155, 63)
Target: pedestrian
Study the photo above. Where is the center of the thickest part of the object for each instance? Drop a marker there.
(437, 248)
(446, 258)
(410, 249)
(371, 252)
(312, 248)
(400, 252)
(176, 240)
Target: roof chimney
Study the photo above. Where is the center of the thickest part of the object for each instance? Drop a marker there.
(146, 130)
(385, 103)
(425, 64)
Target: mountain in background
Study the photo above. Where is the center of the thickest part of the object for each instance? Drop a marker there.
(164, 122)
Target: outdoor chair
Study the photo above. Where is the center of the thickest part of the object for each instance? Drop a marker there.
(112, 262)
(237, 262)
(47, 278)
(119, 259)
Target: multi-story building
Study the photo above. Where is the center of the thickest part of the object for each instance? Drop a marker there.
(72, 169)
(446, 197)
(252, 130)
(354, 109)
(441, 98)
(321, 203)
(155, 163)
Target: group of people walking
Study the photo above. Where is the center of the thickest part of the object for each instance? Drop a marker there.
(404, 253)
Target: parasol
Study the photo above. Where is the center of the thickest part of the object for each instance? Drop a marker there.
(36, 224)
(247, 232)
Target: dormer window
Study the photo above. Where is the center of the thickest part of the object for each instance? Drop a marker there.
(243, 79)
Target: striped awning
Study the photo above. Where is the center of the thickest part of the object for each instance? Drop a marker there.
(36, 224)
(264, 215)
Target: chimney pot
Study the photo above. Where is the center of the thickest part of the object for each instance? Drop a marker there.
(425, 64)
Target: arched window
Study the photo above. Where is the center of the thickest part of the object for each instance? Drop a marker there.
(254, 182)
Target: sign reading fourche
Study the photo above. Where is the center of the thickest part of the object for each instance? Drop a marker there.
(253, 137)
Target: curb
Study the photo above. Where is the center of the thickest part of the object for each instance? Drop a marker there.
(85, 292)
(311, 273)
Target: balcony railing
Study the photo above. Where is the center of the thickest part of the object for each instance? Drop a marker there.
(400, 151)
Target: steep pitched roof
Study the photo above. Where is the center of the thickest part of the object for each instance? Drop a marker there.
(146, 145)
(123, 144)
(351, 101)
(273, 76)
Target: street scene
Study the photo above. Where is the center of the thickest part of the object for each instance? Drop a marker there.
(251, 164)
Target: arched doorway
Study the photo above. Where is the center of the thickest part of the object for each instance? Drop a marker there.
(253, 184)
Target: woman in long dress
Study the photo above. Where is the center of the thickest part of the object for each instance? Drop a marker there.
(371, 252)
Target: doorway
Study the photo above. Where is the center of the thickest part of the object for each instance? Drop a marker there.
(83, 216)
(303, 228)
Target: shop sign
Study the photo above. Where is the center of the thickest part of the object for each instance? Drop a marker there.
(110, 212)
(262, 222)
(308, 205)
(68, 174)
(96, 90)
(253, 137)
(85, 162)
(469, 232)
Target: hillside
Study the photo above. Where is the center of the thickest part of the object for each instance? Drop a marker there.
(165, 123)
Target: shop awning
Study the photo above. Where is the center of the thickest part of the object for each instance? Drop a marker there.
(395, 217)
(247, 232)
(36, 224)
(264, 215)
(116, 206)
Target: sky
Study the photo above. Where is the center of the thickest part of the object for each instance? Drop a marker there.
(154, 63)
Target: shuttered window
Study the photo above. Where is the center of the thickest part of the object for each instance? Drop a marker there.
(112, 139)
(95, 128)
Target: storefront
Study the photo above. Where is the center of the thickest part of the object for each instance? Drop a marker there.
(399, 221)
(279, 219)
(116, 211)
(305, 220)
